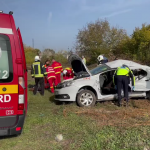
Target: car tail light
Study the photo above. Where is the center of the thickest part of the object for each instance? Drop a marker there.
(21, 94)
(18, 128)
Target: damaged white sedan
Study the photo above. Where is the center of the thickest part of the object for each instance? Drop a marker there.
(90, 86)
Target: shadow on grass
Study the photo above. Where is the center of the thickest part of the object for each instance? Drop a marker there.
(8, 137)
(52, 100)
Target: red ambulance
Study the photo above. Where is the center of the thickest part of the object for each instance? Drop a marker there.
(13, 77)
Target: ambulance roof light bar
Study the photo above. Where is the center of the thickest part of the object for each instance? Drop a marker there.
(1, 11)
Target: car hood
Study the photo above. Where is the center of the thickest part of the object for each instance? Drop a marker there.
(78, 66)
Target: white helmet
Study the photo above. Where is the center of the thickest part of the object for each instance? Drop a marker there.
(64, 72)
(100, 57)
(37, 58)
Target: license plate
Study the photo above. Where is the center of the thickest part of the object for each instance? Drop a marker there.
(3, 132)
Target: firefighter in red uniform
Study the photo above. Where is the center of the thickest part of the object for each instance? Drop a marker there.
(51, 76)
(68, 73)
(58, 70)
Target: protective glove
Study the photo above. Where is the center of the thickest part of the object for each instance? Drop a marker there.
(64, 72)
(115, 87)
(133, 88)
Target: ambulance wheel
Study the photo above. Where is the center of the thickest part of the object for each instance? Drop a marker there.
(86, 98)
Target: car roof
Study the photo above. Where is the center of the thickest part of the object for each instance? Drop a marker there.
(120, 62)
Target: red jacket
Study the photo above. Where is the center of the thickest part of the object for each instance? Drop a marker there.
(50, 72)
(57, 67)
(69, 73)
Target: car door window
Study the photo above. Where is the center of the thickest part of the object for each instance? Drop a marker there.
(139, 74)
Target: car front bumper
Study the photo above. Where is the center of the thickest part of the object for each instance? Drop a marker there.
(66, 94)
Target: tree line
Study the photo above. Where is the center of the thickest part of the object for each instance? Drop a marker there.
(47, 54)
(99, 37)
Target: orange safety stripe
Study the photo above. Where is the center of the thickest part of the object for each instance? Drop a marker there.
(58, 67)
(50, 71)
(68, 68)
(51, 77)
(57, 72)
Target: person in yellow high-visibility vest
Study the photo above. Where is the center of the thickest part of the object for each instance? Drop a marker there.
(84, 60)
(121, 80)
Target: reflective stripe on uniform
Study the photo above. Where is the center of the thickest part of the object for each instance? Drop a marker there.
(57, 72)
(39, 76)
(58, 67)
(68, 68)
(51, 77)
(50, 71)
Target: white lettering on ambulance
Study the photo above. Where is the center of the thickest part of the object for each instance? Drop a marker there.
(5, 99)
(5, 72)
(1, 98)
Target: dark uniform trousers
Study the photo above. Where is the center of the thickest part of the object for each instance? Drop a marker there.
(38, 72)
(122, 82)
(39, 81)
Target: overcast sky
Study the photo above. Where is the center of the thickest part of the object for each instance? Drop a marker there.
(55, 23)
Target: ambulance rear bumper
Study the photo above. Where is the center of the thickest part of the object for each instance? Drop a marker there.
(16, 130)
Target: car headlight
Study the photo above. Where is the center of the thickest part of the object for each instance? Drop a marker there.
(64, 84)
(68, 83)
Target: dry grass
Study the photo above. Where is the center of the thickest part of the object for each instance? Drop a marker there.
(136, 114)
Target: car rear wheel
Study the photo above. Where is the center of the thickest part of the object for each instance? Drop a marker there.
(148, 95)
(86, 98)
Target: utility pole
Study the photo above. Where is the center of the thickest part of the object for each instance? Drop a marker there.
(33, 43)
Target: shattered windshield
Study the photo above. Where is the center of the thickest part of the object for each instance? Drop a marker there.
(99, 69)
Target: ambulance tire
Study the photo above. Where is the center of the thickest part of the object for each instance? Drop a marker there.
(81, 97)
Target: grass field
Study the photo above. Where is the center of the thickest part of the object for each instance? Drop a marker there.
(103, 127)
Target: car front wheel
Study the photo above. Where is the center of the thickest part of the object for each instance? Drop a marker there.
(86, 98)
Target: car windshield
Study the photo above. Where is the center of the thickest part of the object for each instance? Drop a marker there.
(99, 69)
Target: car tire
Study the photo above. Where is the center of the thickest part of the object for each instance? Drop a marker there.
(148, 95)
(83, 102)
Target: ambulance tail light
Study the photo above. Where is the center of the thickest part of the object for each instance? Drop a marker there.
(21, 94)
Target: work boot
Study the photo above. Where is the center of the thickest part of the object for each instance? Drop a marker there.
(119, 104)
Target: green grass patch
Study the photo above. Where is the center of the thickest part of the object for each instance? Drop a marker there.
(82, 128)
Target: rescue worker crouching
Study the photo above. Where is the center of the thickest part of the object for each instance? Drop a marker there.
(68, 73)
(51, 76)
(38, 72)
(58, 70)
(121, 80)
